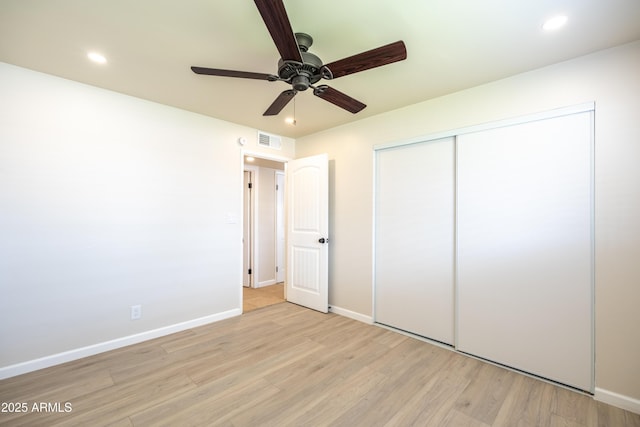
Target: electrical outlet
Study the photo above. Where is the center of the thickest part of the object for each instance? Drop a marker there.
(136, 312)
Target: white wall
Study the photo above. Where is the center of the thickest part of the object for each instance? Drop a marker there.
(611, 78)
(108, 201)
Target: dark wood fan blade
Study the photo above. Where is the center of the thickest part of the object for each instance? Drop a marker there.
(370, 59)
(275, 18)
(280, 102)
(232, 73)
(338, 98)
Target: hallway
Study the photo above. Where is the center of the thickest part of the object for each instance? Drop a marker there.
(254, 298)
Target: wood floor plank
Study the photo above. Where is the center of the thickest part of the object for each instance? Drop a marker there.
(252, 356)
(110, 405)
(486, 393)
(607, 417)
(335, 402)
(262, 367)
(32, 383)
(203, 407)
(240, 378)
(574, 408)
(125, 422)
(398, 357)
(128, 398)
(403, 381)
(559, 421)
(630, 419)
(528, 403)
(284, 365)
(456, 418)
(77, 385)
(332, 360)
(303, 385)
(431, 405)
(391, 338)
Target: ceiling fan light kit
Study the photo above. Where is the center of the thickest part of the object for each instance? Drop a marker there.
(302, 69)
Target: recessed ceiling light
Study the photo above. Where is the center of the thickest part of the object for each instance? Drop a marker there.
(555, 23)
(96, 57)
(249, 159)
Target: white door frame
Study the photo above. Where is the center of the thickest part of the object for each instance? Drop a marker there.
(281, 226)
(248, 166)
(285, 161)
(253, 235)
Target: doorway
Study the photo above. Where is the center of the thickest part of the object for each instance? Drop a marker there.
(306, 223)
(255, 298)
(263, 232)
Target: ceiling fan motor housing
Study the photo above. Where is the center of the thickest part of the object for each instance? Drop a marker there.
(301, 75)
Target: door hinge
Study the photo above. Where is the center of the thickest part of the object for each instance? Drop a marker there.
(277, 187)
(250, 185)
(249, 272)
(276, 268)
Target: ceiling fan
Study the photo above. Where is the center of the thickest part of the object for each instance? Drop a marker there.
(302, 69)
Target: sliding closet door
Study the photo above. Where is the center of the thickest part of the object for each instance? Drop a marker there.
(414, 238)
(524, 247)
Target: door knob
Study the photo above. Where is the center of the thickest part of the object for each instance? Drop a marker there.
(323, 240)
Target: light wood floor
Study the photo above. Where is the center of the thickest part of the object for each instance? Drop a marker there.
(254, 298)
(284, 365)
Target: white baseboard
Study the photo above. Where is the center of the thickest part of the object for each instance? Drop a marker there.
(79, 353)
(618, 400)
(351, 314)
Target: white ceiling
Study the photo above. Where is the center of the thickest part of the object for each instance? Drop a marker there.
(451, 45)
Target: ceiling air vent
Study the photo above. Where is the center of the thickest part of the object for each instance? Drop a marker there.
(268, 140)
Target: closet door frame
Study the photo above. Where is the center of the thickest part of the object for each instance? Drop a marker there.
(548, 114)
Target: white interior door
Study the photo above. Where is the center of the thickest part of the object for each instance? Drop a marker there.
(524, 245)
(308, 232)
(414, 250)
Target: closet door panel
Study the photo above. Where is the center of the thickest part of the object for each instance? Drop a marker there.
(524, 247)
(414, 238)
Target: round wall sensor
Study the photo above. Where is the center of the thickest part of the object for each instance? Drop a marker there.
(242, 141)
